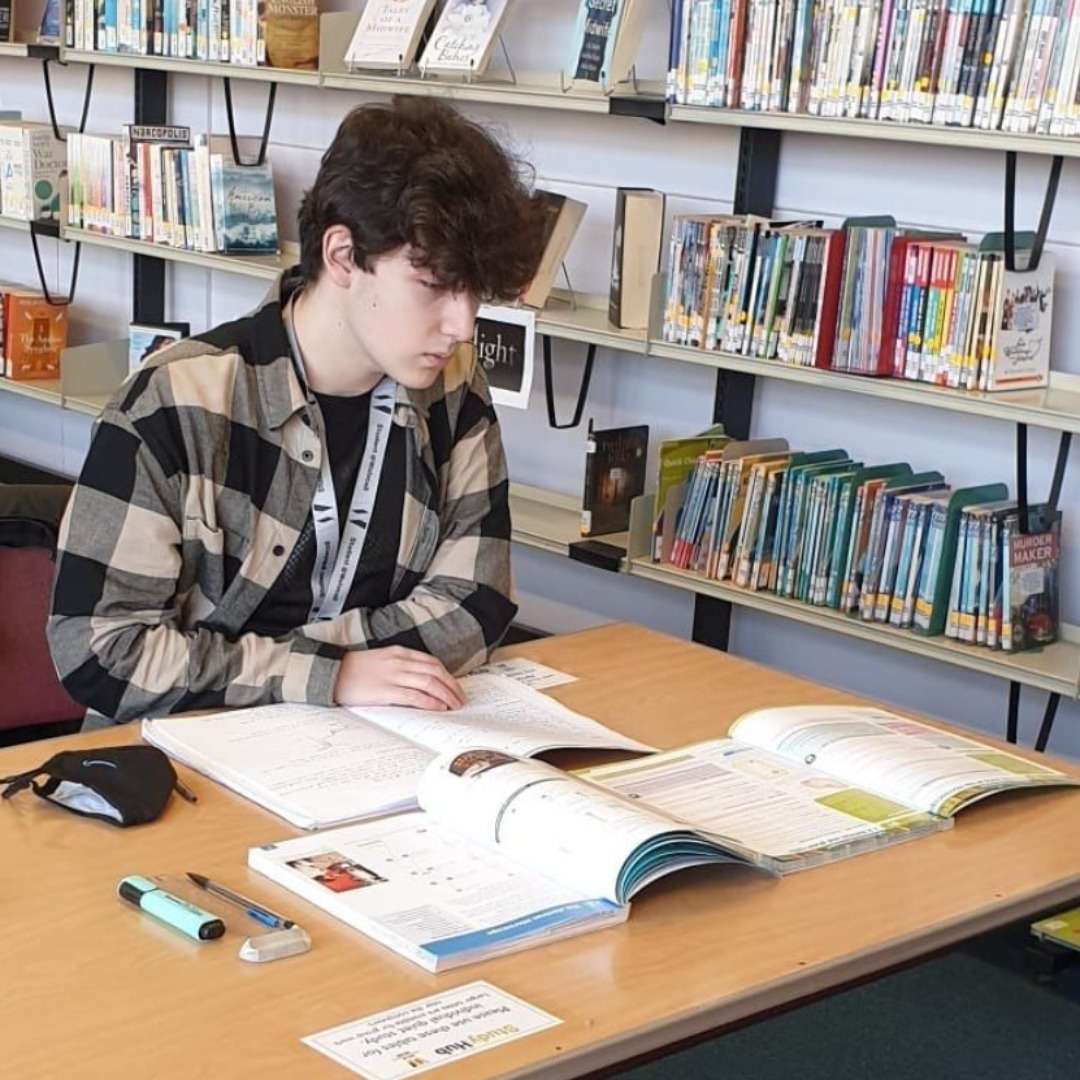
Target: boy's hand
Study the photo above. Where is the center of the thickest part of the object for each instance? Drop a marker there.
(396, 676)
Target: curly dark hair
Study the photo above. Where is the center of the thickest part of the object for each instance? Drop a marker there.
(416, 172)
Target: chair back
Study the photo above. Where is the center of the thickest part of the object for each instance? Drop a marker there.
(30, 692)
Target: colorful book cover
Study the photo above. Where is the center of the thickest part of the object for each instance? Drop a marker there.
(614, 476)
(35, 336)
(605, 41)
(249, 213)
(1034, 585)
(464, 37)
(145, 339)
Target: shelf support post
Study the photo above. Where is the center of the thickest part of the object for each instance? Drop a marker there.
(733, 401)
(148, 271)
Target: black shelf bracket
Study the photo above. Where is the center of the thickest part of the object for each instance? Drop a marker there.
(88, 93)
(1012, 723)
(52, 230)
(598, 553)
(549, 388)
(265, 140)
(1044, 216)
(652, 107)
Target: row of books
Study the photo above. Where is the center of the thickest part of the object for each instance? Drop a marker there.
(152, 183)
(33, 334)
(1012, 65)
(220, 31)
(879, 542)
(459, 37)
(868, 298)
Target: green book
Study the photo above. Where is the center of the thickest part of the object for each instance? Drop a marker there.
(933, 603)
(839, 569)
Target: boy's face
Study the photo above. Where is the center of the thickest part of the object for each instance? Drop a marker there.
(403, 323)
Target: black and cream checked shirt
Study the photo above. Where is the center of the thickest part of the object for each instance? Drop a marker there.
(197, 484)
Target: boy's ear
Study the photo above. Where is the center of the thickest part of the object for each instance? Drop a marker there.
(337, 253)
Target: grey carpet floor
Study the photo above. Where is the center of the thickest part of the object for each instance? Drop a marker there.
(975, 1014)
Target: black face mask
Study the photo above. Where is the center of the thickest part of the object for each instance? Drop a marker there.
(123, 785)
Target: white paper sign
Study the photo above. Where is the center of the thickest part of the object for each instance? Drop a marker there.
(527, 672)
(432, 1031)
(504, 339)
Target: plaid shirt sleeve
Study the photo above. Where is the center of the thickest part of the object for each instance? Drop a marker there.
(115, 627)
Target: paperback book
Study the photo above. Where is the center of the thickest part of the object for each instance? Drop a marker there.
(506, 853)
(318, 766)
(615, 461)
(464, 37)
(388, 33)
(145, 339)
(606, 38)
(562, 216)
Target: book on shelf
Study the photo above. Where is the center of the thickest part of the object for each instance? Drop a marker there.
(32, 160)
(245, 206)
(505, 853)
(145, 339)
(464, 37)
(635, 255)
(292, 35)
(605, 42)
(388, 34)
(562, 216)
(5, 20)
(675, 461)
(615, 460)
(1031, 583)
(317, 766)
(34, 335)
(1014, 352)
(936, 575)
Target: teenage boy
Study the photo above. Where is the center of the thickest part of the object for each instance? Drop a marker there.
(309, 504)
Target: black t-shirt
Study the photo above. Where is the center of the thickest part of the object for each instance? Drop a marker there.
(288, 602)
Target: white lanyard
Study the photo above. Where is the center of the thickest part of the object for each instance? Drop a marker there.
(337, 553)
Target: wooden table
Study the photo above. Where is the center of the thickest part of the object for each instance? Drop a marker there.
(92, 988)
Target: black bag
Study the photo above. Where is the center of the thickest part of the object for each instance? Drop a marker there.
(123, 785)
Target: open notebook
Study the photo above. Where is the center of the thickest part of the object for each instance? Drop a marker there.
(319, 766)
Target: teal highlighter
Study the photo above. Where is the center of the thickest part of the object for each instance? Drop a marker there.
(190, 920)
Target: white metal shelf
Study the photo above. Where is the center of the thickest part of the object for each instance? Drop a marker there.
(1056, 407)
(878, 130)
(1055, 668)
(190, 67)
(47, 390)
(264, 267)
(586, 320)
(545, 520)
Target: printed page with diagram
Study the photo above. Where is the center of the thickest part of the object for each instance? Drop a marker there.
(933, 770)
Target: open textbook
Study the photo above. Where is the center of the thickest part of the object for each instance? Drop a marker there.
(506, 853)
(318, 766)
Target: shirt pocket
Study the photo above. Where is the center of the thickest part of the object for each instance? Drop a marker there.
(211, 557)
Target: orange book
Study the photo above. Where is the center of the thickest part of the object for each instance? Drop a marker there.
(35, 335)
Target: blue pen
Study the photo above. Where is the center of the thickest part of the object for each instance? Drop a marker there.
(258, 912)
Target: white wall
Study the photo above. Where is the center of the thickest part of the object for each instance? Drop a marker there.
(587, 157)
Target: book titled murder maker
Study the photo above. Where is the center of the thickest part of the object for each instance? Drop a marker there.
(506, 853)
(614, 476)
